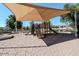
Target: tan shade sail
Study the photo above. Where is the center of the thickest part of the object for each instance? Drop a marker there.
(24, 11)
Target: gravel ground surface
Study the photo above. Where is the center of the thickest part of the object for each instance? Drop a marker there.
(29, 45)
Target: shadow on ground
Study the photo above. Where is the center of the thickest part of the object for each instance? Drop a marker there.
(57, 38)
(6, 38)
(22, 47)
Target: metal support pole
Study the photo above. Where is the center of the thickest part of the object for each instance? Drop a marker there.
(75, 24)
(16, 26)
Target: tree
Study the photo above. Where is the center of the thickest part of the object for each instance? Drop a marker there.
(70, 18)
(19, 24)
(11, 22)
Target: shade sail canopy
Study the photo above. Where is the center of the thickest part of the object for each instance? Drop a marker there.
(30, 12)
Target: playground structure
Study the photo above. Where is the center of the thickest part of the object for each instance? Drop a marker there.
(42, 29)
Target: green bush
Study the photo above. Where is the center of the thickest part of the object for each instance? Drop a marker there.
(53, 26)
(69, 30)
(1, 31)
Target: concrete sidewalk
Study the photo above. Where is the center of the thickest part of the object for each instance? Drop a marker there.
(30, 45)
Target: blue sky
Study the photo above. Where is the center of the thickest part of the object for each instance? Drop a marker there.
(4, 13)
